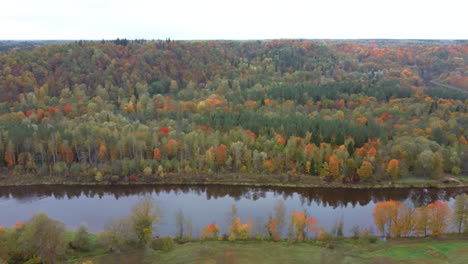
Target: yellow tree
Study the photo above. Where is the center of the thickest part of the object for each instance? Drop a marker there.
(301, 224)
(421, 220)
(393, 218)
(334, 165)
(365, 171)
(238, 230)
(404, 220)
(439, 217)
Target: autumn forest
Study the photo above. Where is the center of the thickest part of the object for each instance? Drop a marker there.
(275, 111)
(388, 118)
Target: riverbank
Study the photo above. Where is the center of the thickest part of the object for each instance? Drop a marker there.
(247, 180)
(345, 250)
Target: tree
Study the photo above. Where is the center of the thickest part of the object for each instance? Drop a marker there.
(81, 239)
(144, 218)
(334, 166)
(460, 213)
(221, 155)
(393, 168)
(422, 220)
(381, 218)
(439, 217)
(210, 231)
(301, 224)
(425, 161)
(393, 218)
(324, 172)
(157, 154)
(437, 165)
(102, 153)
(171, 148)
(43, 237)
(182, 224)
(365, 171)
(116, 234)
(10, 158)
(232, 214)
(273, 229)
(280, 215)
(238, 230)
(403, 222)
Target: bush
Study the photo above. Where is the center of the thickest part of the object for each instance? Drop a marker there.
(456, 170)
(98, 177)
(372, 239)
(163, 243)
(75, 168)
(115, 178)
(133, 178)
(147, 171)
(81, 240)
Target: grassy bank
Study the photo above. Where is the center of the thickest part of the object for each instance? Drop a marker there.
(345, 251)
(254, 180)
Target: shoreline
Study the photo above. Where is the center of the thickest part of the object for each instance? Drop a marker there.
(322, 185)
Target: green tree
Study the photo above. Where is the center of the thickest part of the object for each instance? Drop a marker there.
(44, 237)
(117, 234)
(81, 239)
(460, 213)
(144, 218)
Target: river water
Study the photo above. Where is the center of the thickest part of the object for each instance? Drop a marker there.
(95, 205)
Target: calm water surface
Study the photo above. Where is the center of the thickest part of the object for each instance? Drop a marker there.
(203, 204)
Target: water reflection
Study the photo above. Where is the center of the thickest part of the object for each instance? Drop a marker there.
(95, 205)
(334, 198)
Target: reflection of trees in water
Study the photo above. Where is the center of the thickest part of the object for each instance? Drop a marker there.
(322, 196)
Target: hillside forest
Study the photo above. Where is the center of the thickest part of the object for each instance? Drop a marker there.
(156, 111)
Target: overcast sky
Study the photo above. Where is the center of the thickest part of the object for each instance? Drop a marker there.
(235, 19)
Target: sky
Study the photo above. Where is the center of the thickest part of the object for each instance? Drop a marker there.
(235, 19)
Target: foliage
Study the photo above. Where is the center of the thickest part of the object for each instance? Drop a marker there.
(42, 237)
(81, 239)
(237, 230)
(163, 243)
(151, 111)
(210, 231)
(301, 224)
(144, 218)
(394, 218)
(460, 213)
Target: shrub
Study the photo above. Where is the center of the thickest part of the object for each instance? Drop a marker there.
(98, 177)
(164, 243)
(115, 178)
(456, 170)
(81, 240)
(133, 178)
(147, 171)
(75, 168)
(372, 239)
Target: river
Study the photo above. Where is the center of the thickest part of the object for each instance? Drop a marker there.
(95, 205)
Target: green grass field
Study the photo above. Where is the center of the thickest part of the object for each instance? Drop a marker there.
(253, 252)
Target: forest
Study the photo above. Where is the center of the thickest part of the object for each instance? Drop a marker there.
(256, 111)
